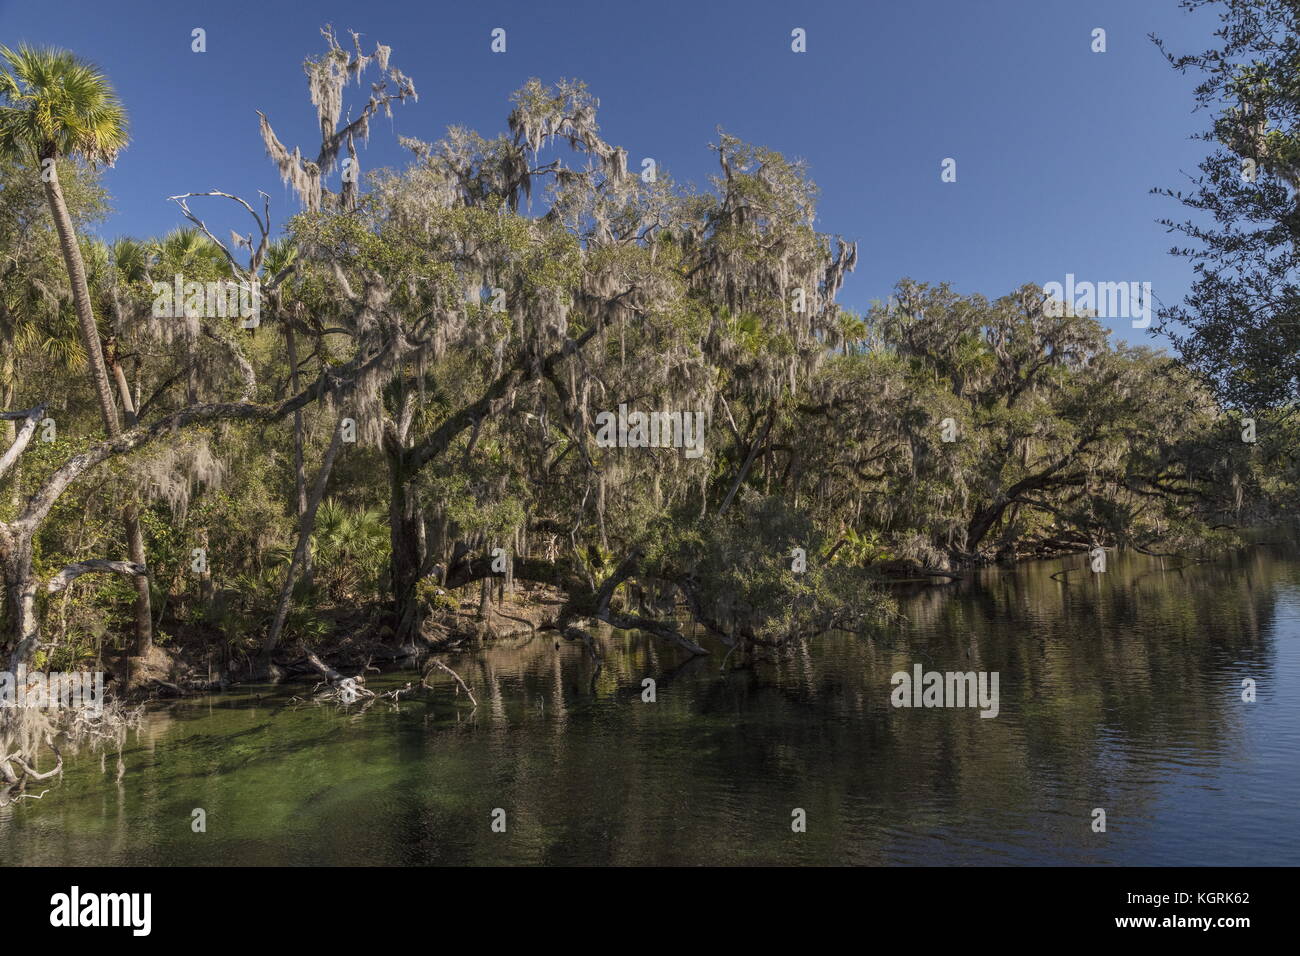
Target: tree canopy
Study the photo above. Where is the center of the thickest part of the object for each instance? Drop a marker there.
(409, 427)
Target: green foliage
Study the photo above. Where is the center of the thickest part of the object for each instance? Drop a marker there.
(1238, 328)
(501, 292)
(434, 596)
(53, 104)
(740, 570)
(350, 551)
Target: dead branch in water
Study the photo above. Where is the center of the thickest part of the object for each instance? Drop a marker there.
(27, 732)
(345, 690)
(445, 669)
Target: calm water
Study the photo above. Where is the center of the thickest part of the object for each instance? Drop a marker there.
(1120, 691)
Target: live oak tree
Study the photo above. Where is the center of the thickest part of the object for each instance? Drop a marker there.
(1240, 325)
(22, 585)
(618, 290)
(473, 313)
(1002, 428)
(220, 386)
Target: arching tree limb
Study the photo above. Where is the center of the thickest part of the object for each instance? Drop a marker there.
(30, 419)
(74, 571)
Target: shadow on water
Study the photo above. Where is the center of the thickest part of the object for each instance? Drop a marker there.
(1120, 691)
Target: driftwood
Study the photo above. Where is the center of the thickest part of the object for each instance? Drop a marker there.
(27, 732)
(447, 670)
(345, 690)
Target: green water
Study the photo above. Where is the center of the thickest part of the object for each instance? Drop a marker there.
(1120, 691)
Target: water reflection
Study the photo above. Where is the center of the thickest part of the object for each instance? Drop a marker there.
(1120, 691)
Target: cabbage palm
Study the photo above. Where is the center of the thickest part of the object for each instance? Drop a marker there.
(186, 251)
(55, 106)
(114, 269)
(130, 258)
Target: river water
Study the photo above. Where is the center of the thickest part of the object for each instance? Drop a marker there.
(1120, 691)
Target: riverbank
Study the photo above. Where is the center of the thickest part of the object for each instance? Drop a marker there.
(359, 641)
(1120, 690)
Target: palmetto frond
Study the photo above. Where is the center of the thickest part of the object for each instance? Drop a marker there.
(98, 260)
(187, 252)
(54, 334)
(279, 256)
(56, 104)
(65, 350)
(131, 258)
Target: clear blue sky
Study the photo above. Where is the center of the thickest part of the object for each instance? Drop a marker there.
(1056, 146)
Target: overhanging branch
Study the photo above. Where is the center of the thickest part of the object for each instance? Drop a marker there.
(30, 419)
(95, 565)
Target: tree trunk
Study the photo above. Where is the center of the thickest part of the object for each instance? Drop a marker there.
(81, 299)
(749, 460)
(304, 538)
(403, 521)
(143, 603)
(299, 470)
(982, 523)
(20, 624)
(103, 390)
(134, 536)
(7, 394)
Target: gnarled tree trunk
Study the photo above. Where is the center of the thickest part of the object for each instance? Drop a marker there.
(20, 626)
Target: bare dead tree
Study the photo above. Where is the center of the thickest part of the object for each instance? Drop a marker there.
(327, 77)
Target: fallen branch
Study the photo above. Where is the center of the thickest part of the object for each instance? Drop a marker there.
(345, 690)
(650, 626)
(443, 667)
(32, 774)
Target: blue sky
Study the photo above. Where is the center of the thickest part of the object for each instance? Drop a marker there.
(1057, 147)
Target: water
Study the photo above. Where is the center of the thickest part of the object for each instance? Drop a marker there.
(1120, 691)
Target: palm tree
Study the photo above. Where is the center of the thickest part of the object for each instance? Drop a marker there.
(187, 251)
(113, 269)
(54, 106)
